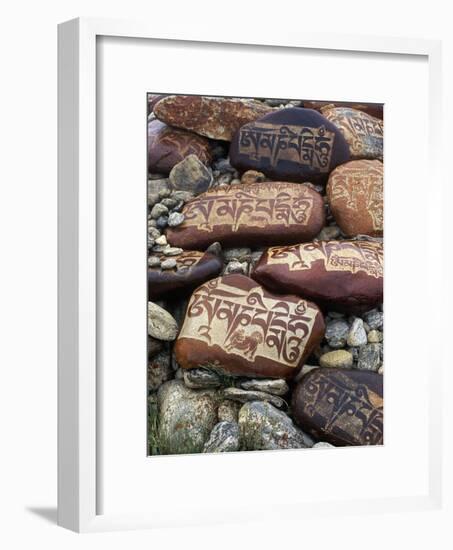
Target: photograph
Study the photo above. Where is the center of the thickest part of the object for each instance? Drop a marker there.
(265, 274)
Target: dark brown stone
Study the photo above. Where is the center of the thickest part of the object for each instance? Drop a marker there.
(250, 214)
(291, 144)
(341, 406)
(355, 192)
(192, 269)
(213, 117)
(234, 325)
(363, 133)
(168, 146)
(373, 109)
(338, 275)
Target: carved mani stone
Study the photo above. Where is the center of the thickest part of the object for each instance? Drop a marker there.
(235, 325)
(291, 144)
(373, 109)
(213, 117)
(168, 146)
(355, 192)
(364, 133)
(259, 214)
(341, 406)
(192, 268)
(343, 275)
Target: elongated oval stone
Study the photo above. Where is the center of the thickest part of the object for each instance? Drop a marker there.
(234, 325)
(213, 117)
(291, 144)
(341, 275)
(259, 214)
(168, 146)
(355, 192)
(341, 406)
(373, 109)
(363, 133)
(192, 268)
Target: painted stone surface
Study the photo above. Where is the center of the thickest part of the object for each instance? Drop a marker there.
(292, 144)
(341, 406)
(192, 268)
(364, 133)
(168, 146)
(373, 109)
(341, 275)
(259, 214)
(355, 192)
(213, 117)
(236, 326)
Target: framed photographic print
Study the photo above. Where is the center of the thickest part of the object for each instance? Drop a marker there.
(222, 275)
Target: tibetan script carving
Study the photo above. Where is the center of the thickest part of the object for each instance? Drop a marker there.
(275, 142)
(248, 322)
(348, 256)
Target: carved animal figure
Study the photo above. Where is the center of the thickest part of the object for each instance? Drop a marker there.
(247, 344)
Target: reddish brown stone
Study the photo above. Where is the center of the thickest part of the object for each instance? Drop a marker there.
(355, 192)
(192, 269)
(249, 214)
(363, 133)
(291, 144)
(373, 109)
(341, 406)
(168, 146)
(213, 117)
(234, 325)
(337, 275)
(152, 100)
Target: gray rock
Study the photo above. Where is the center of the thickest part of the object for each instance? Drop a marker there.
(201, 379)
(369, 357)
(175, 219)
(157, 185)
(374, 319)
(263, 427)
(161, 222)
(153, 198)
(323, 445)
(154, 346)
(169, 202)
(186, 417)
(162, 240)
(236, 254)
(169, 263)
(182, 196)
(153, 232)
(236, 267)
(159, 370)
(224, 166)
(153, 261)
(328, 233)
(245, 396)
(337, 333)
(224, 438)
(276, 387)
(164, 193)
(158, 210)
(357, 334)
(161, 324)
(190, 175)
(150, 242)
(375, 337)
(172, 251)
(215, 248)
(228, 411)
(339, 358)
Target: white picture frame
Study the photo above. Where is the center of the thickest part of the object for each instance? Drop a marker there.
(79, 450)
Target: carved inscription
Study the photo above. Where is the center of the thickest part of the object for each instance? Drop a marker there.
(339, 404)
(257, 206)
(248, 323)
(280, 142)
(336, 255)
(184, 261)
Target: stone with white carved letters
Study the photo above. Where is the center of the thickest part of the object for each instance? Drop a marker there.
(341, 406)
(260, 214)
(292, 144)
(235, 326)
(355, 192)
(338, 275)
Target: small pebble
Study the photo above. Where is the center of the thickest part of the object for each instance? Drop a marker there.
(172, 251)
(169, 263)
(162, 222)
(158, 210)
(153, 261)
(161, 240)
(236, 267)
(357, 335)
(338, 358)
(375, 336)
(175, 219)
